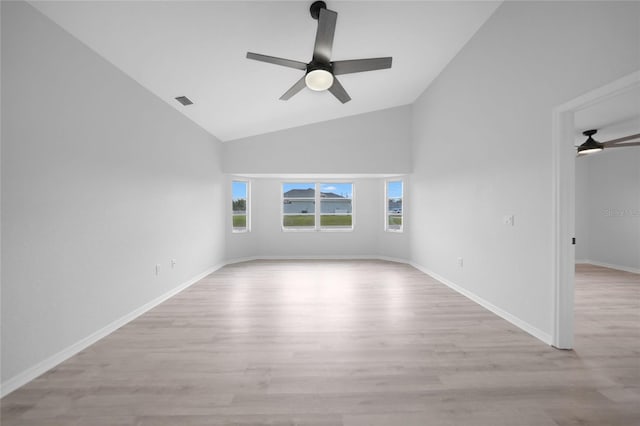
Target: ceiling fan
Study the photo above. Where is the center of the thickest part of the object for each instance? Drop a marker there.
(591, 145)
(321, 71)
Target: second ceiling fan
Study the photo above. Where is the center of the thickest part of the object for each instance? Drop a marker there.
(321, 71)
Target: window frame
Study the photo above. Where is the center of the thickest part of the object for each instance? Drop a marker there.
(317, 227)
(386, 205)
(315, 209)
(247, 227)
(353, 209)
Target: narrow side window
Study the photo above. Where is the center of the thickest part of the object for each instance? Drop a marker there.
(240, 205)
(393, 206)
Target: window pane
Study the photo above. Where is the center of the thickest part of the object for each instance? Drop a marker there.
(395, 222)
(239, 194)
(336, 205)
(394, 189)
(303, 206)
(395, 205)
(299, 221)
(336, 190)
(298, 205)
(239, 221)
(337, 221)
(298, 190)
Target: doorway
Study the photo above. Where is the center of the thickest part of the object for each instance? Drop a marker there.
(564, 208)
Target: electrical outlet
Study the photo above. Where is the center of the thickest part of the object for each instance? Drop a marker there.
(157, 269)
(460, 262)
(173, 263)
(509, 220)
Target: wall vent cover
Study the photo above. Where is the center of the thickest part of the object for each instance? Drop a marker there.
(184, 100)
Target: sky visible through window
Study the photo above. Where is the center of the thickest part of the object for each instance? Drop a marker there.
(239, 190)
(342, 189)
(394, 189)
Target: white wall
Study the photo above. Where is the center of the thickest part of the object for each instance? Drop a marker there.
(611, 208)
(266, 239)
(101, 180)
(482, 146)
(375, 142)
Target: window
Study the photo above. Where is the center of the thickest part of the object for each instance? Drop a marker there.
(298, 206)
(240, 206)
(299, 201)
(393, 205)
(336, 206)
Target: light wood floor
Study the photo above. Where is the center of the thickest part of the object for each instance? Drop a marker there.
(348, 343)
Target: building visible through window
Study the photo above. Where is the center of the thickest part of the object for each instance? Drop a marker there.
(299, 201)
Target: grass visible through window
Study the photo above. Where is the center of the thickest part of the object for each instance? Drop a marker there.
(336, 220)
(395, 222)
(299, 220)
(239, 221)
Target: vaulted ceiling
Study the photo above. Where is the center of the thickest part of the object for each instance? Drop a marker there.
(197, 49)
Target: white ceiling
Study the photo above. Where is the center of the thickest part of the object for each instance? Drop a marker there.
(198, 49)
(615, 117)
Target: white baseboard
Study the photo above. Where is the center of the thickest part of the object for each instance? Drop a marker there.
(318, 257)
(43, 366)
(523, 325)
(394, 259)
(239, 260)
(22, 378)
(609, 265)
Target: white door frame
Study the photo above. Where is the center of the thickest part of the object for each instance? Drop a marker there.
(563, 178)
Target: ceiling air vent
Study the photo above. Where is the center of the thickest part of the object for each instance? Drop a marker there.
(184, 100)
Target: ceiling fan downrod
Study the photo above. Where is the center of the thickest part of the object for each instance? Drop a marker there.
(315, 9)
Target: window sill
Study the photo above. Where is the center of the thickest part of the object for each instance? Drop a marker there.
(315, 230)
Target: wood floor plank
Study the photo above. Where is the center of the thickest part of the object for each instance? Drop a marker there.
(346, 343)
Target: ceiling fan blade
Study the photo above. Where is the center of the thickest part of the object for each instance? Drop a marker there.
(613, 142)
(622, 145)
(360, 65)
(277, 61)
(324, 35)
(339, 92)
(300, 84)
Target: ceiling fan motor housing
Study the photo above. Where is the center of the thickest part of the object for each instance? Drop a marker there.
(590, 145)
(312, 66)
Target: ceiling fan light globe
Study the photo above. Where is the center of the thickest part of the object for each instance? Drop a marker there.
(588, 151)
(319, 80)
